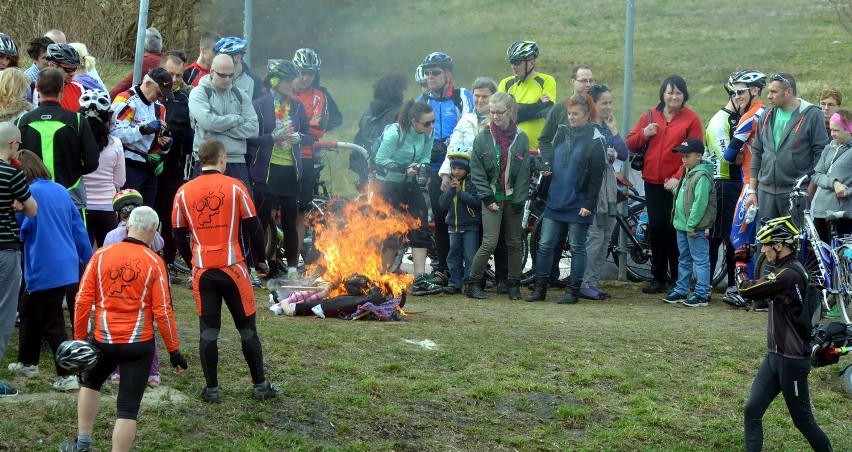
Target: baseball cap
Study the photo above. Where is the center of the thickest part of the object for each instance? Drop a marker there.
(164, 81)
(690, 145)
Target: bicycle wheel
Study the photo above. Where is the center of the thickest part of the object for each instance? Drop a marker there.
(564, 252)
(721, 274)
(763, 267)
(638, 256)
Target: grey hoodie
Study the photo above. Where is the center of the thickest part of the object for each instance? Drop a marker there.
(797, 153)
(835, 164)
(228, 117)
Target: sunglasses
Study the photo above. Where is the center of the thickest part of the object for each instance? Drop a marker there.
(224, 75)
(517, 62)
(433, 72)
(425, 124)
(779, 78)
(740, 91)
(68, 70)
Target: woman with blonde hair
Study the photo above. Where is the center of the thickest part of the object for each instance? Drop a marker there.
(87, 74)
(13, 91)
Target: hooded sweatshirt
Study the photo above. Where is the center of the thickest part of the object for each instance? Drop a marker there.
(228, 117)
(694, 209)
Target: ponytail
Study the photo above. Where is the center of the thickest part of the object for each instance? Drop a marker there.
(412, 110)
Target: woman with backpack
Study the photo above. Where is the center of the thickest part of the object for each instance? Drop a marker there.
(404, 150)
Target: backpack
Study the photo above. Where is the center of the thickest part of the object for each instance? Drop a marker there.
(374, 148)
(807, 318)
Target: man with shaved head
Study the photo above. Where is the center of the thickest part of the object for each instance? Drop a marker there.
(221, 111)
(56, 36)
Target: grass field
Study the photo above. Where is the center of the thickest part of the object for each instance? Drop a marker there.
(627, 374)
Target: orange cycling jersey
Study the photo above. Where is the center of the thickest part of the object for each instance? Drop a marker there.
(212, 206)
(314, 102)
(128, 285)
(745, 132)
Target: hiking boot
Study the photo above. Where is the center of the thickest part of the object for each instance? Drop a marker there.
(7, 391)
(696, 301)
(572, 293)
(265, 391)
(440, 278)
(423, 285)
(674, 298)
(68, 383)
(27, 371)
(210, 395)
(502, 286)
(452, 290)
(539, 290)
(589, 294)
(514, 290)
(474, 290)
(655, 287)
(557, 283)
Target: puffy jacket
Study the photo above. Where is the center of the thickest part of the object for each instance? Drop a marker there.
(260, 148)
(694, 208)
(660, 163)
(132, 112)
(228, 117)
(462, 207)
(485, 172)
(64, 141)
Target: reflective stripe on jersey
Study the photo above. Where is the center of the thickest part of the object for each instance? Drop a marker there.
(745, 131)
(717, 137)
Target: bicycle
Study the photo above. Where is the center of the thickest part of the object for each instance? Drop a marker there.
(829, 265)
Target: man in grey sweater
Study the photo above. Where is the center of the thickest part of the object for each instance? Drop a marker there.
(790, 138)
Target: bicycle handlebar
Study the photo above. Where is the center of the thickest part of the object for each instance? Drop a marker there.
(352, 147)
(801, 180)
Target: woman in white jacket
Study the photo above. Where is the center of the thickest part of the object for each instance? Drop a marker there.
(461, 141)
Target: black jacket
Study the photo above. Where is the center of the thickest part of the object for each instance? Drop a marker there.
(177, 118)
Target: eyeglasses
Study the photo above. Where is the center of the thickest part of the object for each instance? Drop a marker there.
(425, 124)
(433, 72)
(586, 80)
(740, 91)
(827, 105)
(779, 78)
(498, 112)
(224, 75)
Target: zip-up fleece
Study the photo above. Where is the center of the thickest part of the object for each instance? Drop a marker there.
(694, 207)
(484, 170)
(463, 207)
(228, 117)
(260, 148)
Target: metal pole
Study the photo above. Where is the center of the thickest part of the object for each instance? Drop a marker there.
(140, 42)
(247, 28)
(625, 127)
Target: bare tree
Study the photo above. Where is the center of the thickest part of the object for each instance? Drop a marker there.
(844, 12)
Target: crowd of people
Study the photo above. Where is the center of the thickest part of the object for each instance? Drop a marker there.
(195, 160)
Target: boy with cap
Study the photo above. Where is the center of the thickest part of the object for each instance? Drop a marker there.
(693, 211)
(463, 206)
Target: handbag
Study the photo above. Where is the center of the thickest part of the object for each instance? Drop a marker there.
(637, 161)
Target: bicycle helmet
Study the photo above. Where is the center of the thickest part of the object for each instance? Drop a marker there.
(729, 87)
(522, 50)
(777, 230)
(307, 60)
(94, 101)
(126, 200)
(77, 356)
(231, 45)
(8, 46)
(748, 76)
(63, 54)
(419, 78)
(439, 59)
(282, 69)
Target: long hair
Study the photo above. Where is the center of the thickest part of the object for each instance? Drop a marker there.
(100, 127)
(391, 87)
(412, 110)
(13, 86)
(32, 166)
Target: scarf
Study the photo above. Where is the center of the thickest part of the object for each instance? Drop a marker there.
(503, 138)
(574, 135)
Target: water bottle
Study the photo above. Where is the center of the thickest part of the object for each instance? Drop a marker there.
(640, 228)
(750, 214)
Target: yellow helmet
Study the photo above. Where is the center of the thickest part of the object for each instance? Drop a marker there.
(777, 230)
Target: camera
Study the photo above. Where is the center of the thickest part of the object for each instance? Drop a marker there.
(424, 171)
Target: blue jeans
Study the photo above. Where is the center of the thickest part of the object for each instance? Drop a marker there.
(463, 246)
(693, 252)
(551, 230)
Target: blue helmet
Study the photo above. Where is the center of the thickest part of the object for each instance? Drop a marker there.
(231, 45)
(439, 59)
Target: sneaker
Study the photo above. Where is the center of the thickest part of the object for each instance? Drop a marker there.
(452, 290)
(265, 391)
(209, 395)
(68, 383)
(654, 287)
(317, 310)
(255, 279)
(153, 381)
(115, 378)
(423, 285)
(696, 301)
(27, 371)
(71, 446)
(674, 298)
(440, 278)
(288, 309)
(7, 391)
(180, 266)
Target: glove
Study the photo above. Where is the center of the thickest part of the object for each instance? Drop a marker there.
(177, 360)
(741, 268)
(517, 208)
(743, 253)
(151, 127)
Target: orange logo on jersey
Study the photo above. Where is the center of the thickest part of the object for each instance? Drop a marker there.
(208, 206)
(123, 275)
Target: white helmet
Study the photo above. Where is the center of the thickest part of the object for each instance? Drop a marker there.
(419, 77)
(94, 100)
(307, 60)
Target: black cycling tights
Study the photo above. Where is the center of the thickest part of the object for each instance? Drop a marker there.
(790, 378)
(135, 360)
(213, 286)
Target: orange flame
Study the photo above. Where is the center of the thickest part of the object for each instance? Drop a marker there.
(350, 239)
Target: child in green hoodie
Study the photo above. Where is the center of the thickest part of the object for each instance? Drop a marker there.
(693, 211)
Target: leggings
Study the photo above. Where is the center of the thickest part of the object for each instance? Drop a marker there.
(288, 207)
(135, 360)
(99, 223)
(213, 286)
(789, 377)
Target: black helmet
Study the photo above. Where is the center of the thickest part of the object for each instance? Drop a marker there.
(439, 59)
(777, 230)
(63, 54)
(8, 46)
(522, 50)
(283, 69)
(77, 356)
